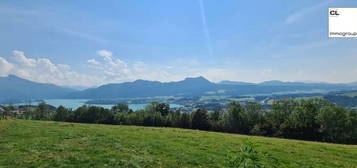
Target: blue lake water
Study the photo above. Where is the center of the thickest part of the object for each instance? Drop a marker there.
(75, 103)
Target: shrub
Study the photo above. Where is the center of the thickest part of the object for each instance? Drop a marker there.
(249, 157)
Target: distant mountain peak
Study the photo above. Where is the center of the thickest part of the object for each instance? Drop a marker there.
(228, 82)
(142, 88)
(13, 87)
(11, 75)
(200, 78)
(144, 82)
(272, 82)
(140, 81)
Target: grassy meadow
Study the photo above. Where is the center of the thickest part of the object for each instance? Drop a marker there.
(26, 143)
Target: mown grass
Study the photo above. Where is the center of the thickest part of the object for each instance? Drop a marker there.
(57, 144)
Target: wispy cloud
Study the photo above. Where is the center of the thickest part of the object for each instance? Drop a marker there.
(93, 62)
(43, 18)
(205, 28)
(294, 17)
(79, 34)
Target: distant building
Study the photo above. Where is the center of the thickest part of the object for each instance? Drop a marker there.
(18, 111)
(2, 110)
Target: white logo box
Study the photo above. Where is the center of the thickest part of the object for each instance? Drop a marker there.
(342, 22)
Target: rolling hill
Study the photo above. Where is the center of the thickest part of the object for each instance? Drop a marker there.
(228, 82)
(13, 88)
(142, 88)
(26, 143)
(200, 86)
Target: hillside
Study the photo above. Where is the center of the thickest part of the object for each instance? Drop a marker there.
(351, 94)
(55, 144)
(200, 86)
(13, 88)
(142, 88)
(228, 82)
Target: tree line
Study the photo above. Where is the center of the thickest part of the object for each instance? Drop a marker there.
(311, 119)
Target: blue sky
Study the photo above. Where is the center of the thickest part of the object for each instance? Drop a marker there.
(88, 43)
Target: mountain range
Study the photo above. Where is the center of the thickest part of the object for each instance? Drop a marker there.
(16, 88)
(13, 88)
(142, 88)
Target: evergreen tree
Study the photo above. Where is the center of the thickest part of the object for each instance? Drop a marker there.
(200, 120)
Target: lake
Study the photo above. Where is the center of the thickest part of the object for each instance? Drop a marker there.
(75, 103)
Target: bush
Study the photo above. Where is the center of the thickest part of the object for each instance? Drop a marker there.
(249, 157)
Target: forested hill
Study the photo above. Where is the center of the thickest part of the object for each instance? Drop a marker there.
(200, 86)
(14, 88)
(142, 88)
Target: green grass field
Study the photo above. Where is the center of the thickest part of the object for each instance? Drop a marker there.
(55, 144)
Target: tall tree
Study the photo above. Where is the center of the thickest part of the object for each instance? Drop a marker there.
(61, 114)
(254, 114)
(162, 108)
(236, 118)
(185, 120)
(119, 108)
(334, 123)
(200, 119)
(42, 111)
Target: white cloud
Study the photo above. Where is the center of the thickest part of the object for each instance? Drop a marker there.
(43, 70)
(109, 69)
(22, 59)
(107, 55)
(100, 71)
(93, 62)
(5, 67)
(113, 69)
